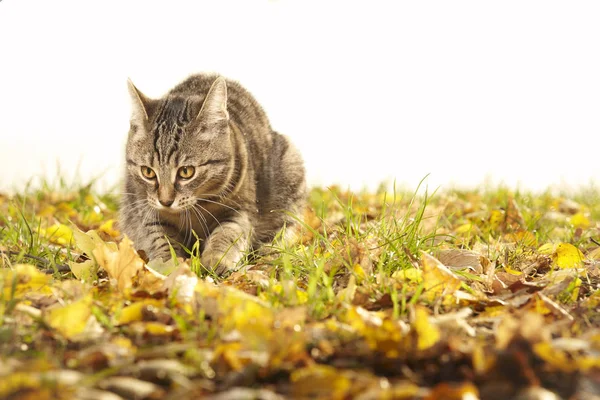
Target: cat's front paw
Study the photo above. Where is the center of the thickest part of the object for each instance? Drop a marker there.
(220, 263)
(162, 256)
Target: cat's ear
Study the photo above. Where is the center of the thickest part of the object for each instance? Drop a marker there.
(141, 106)
(214, 108)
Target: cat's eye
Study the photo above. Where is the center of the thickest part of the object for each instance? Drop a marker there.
(185, 172)
(148, 173)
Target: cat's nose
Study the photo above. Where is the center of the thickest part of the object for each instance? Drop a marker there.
(166, 203)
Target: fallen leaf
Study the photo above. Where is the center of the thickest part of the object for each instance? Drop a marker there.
(122, 266)
(461, 259)
(437, 278)
(522, 237)
(134, 312)
(108, 228)
(568, 256)
(323, 381)
(427, 333)
(182, 283)
(58, 233)
(72, 319)
(87, 242)
(381, 333)
(23, 279)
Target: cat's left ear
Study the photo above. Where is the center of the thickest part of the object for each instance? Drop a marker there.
(214, 108)
(141, 105)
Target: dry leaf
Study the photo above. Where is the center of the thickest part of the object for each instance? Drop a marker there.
(75, 320)
(461, 259)
(437, 278)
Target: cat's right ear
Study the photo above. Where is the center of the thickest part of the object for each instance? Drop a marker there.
(141, 106)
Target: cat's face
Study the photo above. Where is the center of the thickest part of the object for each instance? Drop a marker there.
(180, 149)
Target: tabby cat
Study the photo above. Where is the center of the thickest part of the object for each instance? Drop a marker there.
(204, 163)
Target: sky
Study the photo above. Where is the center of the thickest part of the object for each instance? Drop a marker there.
(460, 92)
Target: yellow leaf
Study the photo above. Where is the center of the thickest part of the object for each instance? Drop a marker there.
(84, 271)
(381, 333)
(496, 218)
(230, 353)
(134, 312)
(548, 248)
(437, 278)
(58, 233)
(122, 265)
(512, 271)
(554, 357)
(70, 320)
(159, 329)
(574, 289)
(108, 228)
(238, 311)
(47, 211)
(14, 385)
(286, 291)
(23, 279)
(587, 363)
(359, 272)
(526, 238)
(317, 381)
(87, 242)
(427, 333)
(541, 307)
(579, 220)
(567, 256)
(480, 360)
(493, 311)
(410, 274)
(464, 228)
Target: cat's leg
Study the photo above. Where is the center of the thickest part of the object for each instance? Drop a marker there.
(156, 245)
(147, 235)
(227, 244)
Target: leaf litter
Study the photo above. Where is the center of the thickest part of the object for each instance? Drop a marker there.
(461, 295)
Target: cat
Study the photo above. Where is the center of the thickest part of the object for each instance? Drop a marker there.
(203, 163)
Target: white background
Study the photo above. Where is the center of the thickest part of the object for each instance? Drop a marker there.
(466, 91)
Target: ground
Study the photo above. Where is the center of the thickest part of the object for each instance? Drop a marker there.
(391, 294)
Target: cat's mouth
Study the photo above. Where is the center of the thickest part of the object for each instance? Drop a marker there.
(171, 208)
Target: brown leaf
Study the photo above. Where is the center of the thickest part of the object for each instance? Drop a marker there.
(461, 259)
(121, 265)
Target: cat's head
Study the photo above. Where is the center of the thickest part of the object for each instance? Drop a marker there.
(179, 148)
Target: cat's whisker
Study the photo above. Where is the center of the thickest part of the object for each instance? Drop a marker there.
(188, 227)
(209, 213)
(140, 202)
(227, 190)
(182, 225)
(148, 217)
(202, 221)
(126, 193)
(220, 204)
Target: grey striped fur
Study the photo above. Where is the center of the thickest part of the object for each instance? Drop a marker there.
(247, 178)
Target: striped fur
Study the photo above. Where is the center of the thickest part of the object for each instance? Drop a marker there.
(246, 178)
